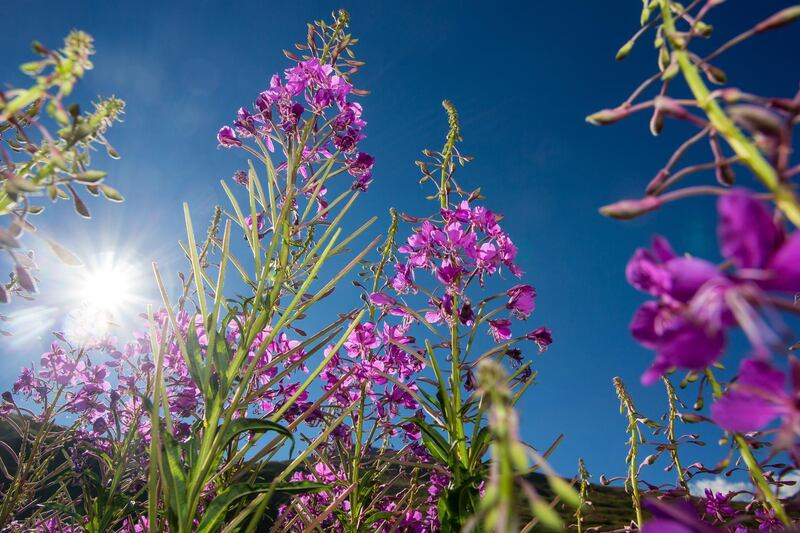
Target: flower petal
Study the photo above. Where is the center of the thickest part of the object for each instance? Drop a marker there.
(747, 233)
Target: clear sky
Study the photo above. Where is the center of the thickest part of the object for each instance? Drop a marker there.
(523, 76)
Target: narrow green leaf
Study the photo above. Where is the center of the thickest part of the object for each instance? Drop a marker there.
(256, 425)
(215, 513)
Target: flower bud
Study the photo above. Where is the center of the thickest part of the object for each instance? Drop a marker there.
(625, 49)
(628, 209)
(25, 279)
(756, 119)
(781, 18)
(656, 182)
(608, 116)
(715, 74)
(703, 29)
(656, 122)
(725, 175)
(691, 418)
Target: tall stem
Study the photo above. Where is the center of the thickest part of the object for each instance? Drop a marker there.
(749, 154)
(756, 474)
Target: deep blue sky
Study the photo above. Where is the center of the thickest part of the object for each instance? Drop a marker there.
(523, 76)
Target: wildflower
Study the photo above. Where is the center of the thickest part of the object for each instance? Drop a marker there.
(675, 517)
(757, 397)
(767, 521)
(379, 298)
(403, 280)
(245, 124)
(500, 329)
(361, 340)
(361, 164)
(227, 137)
(362, 182)
(718, 505)
(542, 336)
(240, 177)
(521, 301)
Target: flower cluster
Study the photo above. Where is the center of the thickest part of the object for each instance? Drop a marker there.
(697, 302)
(306, 110)
(466, 244)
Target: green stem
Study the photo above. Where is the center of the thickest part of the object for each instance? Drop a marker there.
(756, 474)
(744, 148)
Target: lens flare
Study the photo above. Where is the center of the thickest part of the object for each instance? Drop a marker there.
(104, 295)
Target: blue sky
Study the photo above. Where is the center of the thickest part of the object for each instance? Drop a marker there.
(523, 76)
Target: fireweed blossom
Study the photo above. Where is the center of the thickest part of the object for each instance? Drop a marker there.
(697, 302)
(101, 385)
(308, 113)
(759, 396)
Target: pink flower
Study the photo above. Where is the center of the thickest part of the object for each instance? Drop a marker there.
(500, 329)
(521, 301)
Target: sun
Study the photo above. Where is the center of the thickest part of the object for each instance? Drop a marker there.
(107, 288)
(105, 295)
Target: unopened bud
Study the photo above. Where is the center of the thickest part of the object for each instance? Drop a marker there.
(668, 105)
(663, 58)
(715, 74)
(690, 418)
(670, 72)
(39, 48)
(725, 175)
(656, 182)
(608, 116)
(625, 49)
(731, 95)
(628, 209)
(781, 18)
(756, 119)
(703, 29)
(656, 122)
(25, 279)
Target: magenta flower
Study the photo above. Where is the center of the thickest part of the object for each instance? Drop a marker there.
(697, 301)
(718, 505)
(542, 336)
(361, 164)
(361, 340)
(521, 301)
(403, 280)
(245, 124)
(379, 298)
(756, 244)
(227, 137)
(362, 182)
(758, 397)
(675, 517)
(500, 329)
